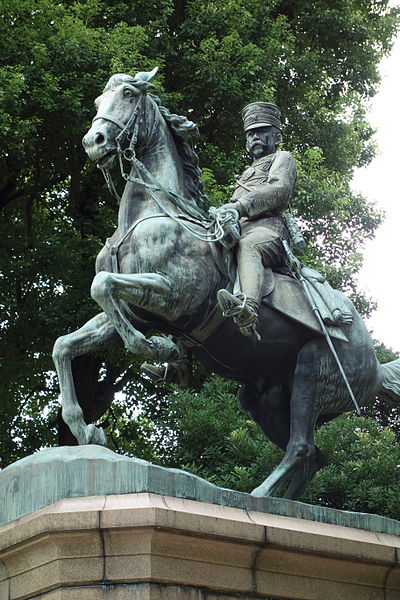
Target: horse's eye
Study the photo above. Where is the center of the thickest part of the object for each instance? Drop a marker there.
(128, 93)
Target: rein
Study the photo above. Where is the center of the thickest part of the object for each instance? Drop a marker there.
(113, 248)
(178, 200)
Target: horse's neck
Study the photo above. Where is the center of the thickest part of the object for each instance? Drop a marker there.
(161, 159)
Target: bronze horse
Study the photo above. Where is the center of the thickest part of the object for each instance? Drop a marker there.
(160, 271)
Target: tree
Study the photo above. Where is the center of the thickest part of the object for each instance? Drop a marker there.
(55, 211)
(318, 62)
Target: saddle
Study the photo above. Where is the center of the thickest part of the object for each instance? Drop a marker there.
(281, 292)
(286, 295)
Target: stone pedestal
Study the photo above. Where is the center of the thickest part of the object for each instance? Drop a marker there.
(151, 547)
(86, 524)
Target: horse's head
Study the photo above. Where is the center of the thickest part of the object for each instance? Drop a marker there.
(117, 117)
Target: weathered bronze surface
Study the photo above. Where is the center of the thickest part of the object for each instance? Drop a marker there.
(261, 194)
(161, 270)
(85, 471)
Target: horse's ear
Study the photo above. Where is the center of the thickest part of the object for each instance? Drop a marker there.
(146, 76)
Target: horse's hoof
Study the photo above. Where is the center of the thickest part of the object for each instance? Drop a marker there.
(156, 374)
(178, 371)
(260, 492)
(267, 489)
(94, 435)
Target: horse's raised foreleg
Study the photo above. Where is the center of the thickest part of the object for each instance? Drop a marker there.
(151, 291)
(96, 335)
(299, 462)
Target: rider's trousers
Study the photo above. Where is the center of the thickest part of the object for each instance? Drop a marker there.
(259, 247)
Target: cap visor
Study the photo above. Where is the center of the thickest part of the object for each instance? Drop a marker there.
(256, 125)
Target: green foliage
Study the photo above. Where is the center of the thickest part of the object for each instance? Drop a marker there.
(385, 413)
(205, 433)
(202, 431)
(364, 468)
(335, 222)
(317, 61)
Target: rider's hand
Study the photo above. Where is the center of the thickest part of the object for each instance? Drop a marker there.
(232, 206)
(224, 210)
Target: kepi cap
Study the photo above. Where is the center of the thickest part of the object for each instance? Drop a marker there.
(261, 114)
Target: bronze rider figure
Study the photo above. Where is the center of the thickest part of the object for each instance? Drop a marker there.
(261, 194)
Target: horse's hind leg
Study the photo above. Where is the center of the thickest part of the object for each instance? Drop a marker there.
(299, 462)
(271, 411)
(96, 335)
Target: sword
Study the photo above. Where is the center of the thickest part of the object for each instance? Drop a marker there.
(296, 269)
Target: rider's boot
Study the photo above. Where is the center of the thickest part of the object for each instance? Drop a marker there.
(179, 372)
(243, 310)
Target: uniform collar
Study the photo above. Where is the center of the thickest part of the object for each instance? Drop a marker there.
(263, 159)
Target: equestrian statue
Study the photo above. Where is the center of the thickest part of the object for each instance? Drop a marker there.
(223, 285)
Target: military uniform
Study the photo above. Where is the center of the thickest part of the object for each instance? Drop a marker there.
(261, 194)
(264, 189)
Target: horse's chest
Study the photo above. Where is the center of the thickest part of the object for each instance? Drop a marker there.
(103, 260)
(147, 249)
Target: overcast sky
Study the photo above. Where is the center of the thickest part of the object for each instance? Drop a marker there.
(380, 183)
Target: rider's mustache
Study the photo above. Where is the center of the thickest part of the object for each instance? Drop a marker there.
(257, 143)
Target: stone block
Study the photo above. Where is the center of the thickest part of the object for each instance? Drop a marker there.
(139, 591)
(50, 560)
(310, 576)
(151, 547)
(164, 555)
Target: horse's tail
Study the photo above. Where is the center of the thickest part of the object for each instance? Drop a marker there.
(390, 385)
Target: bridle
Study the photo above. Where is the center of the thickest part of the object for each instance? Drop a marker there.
(130, 132)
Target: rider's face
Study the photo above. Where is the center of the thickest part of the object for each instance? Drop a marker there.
(261, 141)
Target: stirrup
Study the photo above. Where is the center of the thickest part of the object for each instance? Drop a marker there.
(244, 315)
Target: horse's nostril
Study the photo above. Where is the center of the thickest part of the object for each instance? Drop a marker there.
(99, 138)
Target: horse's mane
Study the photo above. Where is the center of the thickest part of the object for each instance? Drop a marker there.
(183, 131)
